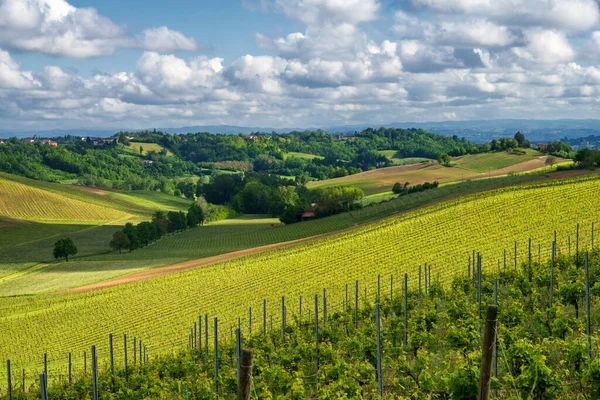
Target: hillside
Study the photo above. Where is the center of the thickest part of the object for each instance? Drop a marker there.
(442, 235)
(422, 343)
(26, 249)
(463, 168)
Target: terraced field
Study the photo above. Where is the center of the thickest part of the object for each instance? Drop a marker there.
(442, 235)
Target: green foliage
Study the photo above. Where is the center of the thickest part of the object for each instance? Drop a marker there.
(64, 248)
(119, 241)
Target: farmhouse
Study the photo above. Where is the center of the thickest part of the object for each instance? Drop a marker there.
(29, 141)
(50, 143)
(147, 161)
(309, 212)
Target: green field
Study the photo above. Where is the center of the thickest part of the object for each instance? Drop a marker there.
(389, 154)
(442, 235)
(381, 181)
(134, 147)
(307, 156)
(26, 202)
(490, 161)
(34, 214)
(206, 241)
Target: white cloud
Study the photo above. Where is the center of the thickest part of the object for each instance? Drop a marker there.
(478, 32)
(575, 15)
(458, 59)
(545, 46)
(315, 12)
(165, 40)
(11, 77)
(57, 28)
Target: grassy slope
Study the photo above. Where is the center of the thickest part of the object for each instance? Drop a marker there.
(159, 310)
(27, 202)
(307, 156)
(134, 147)
(214, 239)
(49, 211)
(491, 161)
(467, 167)
(389, 154)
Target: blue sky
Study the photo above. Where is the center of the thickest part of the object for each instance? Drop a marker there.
(294, 63)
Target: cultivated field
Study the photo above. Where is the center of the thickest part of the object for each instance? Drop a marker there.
(134, 147)
(29, 203)
(389, 154)
(442, 235)
(478, 166)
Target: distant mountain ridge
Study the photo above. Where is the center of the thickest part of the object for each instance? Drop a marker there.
(477, 131)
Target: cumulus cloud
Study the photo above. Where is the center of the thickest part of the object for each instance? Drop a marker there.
(477, 32)
(165, 40)
(313, 12)
(545, 46)
(11, 76)
(57, 28)
(449, 60)
(575, 15)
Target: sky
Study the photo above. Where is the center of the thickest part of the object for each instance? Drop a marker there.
(294, 63)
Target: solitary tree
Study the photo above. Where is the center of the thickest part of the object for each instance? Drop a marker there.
(398, 188)
(550, 161)
(141, 150)
(64, 248)
(119, 241)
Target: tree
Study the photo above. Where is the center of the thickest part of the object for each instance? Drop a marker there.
(522, 141)
(398, 188)
(64, 248)
(444, 159)
(131, 233)
(550, 161)
(119, 241)
(195, 216)
(141, 150)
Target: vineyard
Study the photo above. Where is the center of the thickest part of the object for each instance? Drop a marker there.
(421, 343)
(442, 235)
(29, 203)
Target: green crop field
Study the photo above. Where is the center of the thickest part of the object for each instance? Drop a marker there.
(442, 235)
(25, 202)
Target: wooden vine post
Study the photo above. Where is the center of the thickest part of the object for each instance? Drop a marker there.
(489, 340)
(245, 376)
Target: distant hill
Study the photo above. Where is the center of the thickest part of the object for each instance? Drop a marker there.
(476, 131)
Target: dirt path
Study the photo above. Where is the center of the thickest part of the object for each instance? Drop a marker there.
(160, 271)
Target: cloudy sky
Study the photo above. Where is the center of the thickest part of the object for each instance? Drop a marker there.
(294, 63)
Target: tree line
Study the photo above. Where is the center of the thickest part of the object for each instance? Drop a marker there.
(132, 237)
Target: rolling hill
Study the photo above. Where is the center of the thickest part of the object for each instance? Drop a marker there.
(468, 167)
(442, 235)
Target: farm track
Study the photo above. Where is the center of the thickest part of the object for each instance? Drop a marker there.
(202, 262)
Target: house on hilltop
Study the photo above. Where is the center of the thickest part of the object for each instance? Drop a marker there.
(29, 141)
(50, 142)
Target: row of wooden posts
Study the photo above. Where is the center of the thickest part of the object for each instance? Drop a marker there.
(424, 275)
(139, 356)
(477, 276)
